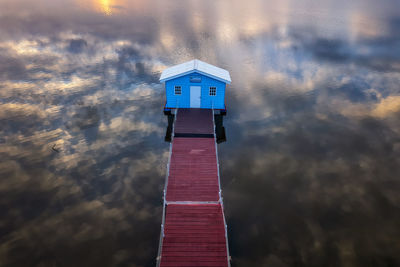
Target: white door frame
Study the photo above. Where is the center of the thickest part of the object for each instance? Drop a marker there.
(195, 96)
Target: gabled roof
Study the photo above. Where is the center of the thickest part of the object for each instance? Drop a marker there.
(195, 65)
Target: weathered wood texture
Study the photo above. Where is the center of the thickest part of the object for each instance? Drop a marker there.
(194, 232)
(194, 236)
(194, 120)
(193, 173)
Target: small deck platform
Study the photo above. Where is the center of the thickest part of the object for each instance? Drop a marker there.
(194, 228)
(194, 121)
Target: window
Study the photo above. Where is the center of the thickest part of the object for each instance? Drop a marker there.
(195, 79)
(178, 90)
(213, 90)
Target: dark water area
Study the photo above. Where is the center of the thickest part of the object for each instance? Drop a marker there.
(311, 166)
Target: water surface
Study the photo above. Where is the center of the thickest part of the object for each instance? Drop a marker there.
(311, 167)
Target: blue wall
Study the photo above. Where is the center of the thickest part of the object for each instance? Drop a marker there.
(183, 101)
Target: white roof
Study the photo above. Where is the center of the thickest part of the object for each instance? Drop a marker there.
(195, 65)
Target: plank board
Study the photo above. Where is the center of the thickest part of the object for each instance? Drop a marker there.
(194, 236)
(193, 173)
(194, 121)
(194, 232)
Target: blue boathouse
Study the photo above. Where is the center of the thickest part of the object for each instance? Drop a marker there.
(195, 84)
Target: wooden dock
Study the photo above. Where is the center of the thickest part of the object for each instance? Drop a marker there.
(193, 230)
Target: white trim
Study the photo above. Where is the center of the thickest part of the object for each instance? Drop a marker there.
(209, 91)
(180, 88)
(220, 195)
(196, 66)
(195, 96)
(158, 259)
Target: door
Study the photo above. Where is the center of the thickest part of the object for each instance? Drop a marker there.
(195, 95)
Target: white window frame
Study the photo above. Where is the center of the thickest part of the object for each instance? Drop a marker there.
(215, 91)
(178, 87)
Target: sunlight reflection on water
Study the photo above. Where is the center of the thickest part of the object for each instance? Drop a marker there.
(311, 163)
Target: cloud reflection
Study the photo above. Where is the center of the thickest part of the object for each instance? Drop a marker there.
(310, 165)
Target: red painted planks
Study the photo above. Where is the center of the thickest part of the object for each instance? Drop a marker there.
(193, 173)
(194, 234)
(193, 120)
(188, 243)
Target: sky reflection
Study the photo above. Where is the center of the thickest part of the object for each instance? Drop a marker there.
(310, 168)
